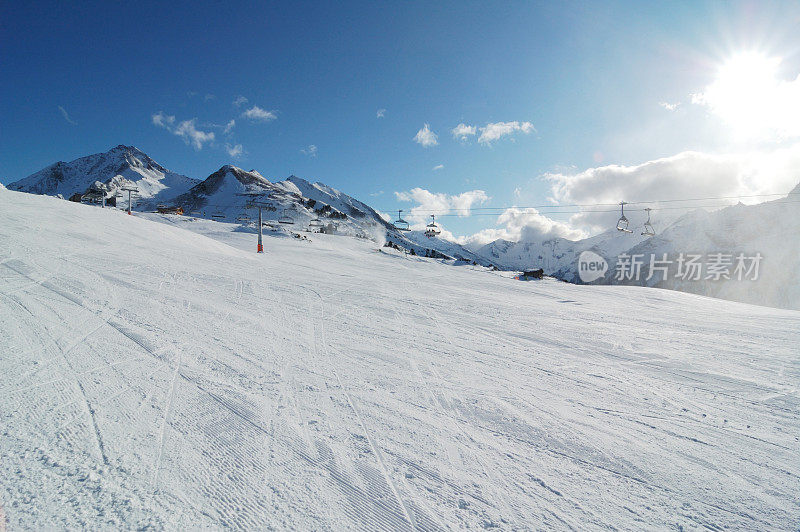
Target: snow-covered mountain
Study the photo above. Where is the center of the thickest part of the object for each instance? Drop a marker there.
(223, 196)
(120, 166)
(771, 229)
(229, 194)
(554, 255)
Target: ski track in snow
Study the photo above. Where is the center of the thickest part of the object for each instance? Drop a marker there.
(158, 378)
(370, 438)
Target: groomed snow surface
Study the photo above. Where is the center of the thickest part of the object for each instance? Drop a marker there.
(164, 375)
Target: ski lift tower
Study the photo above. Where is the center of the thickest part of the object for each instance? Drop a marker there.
(103, 190)
(253, 204)
(130, 190)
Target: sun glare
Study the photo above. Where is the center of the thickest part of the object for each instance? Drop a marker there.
(749, 96)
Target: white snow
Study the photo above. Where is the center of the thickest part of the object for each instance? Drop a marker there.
(165, 375)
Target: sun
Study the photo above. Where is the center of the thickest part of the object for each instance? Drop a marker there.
(749, 96)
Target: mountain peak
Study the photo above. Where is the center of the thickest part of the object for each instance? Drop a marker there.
(229, 175)
(240, 173)
(128, 162)
(122, 149)
(300, 183)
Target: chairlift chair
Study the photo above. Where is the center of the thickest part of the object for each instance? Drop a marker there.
(400, 224)
(431, 230)
(315, 223)
(648, 227)
(622, 223)
(285, 218)
(243, 218)
(218, 215)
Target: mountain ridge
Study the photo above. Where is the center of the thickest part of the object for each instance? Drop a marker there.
(224, 195)
(108, 171)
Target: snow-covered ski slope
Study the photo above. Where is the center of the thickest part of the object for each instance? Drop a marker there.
(154, 376)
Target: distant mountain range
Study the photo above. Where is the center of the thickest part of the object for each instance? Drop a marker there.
(229, 195)
(557, 256)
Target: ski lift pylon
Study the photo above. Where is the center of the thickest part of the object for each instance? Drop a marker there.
(400, 224)
(622, 223)
(648, 227)
(431, 230)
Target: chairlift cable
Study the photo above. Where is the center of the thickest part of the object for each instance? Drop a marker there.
(456, 211)
(654, 209)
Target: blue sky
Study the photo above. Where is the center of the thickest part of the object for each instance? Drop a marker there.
(607, 83)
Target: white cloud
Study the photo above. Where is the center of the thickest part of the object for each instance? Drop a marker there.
(670, 106)
(494, 131)
(311, 150)
(462, 131)
(438, 167)
(685, 175)
(187, 129)
(428, 203)
(463, 202)
(66, 116)
(229, 126)
(258, 114)
(752, 100)
(191, 135)
(522, 224)
(234, 151)
(240, 101)
(209, 97)
(381, 113)
(681, 176)
(162, 120)
(426, 137)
